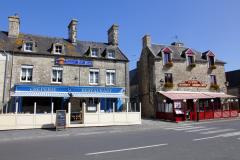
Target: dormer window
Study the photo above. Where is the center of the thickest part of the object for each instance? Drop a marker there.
(211, 60)
(111, 54)
(94, 52)
(167, 57)
(28, 46)
(58, 49)
(190, 56)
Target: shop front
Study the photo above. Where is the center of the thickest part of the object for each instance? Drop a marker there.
(180, 106)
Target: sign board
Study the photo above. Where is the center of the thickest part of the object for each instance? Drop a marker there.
(192, 83)
(74, 62)
(60, 119)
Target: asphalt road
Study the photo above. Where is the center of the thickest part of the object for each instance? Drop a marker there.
(218, 140)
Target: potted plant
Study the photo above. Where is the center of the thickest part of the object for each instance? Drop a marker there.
(214, 86)
(168, 85)
(169, 64)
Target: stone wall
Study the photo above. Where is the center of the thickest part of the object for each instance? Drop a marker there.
(2, 74)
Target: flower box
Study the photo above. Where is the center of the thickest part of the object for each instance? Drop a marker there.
(214, 86)
(169, 64)
(168, 85)
(212, 67)
(192, 65)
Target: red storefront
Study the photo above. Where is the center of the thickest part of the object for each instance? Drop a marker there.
(180, 106)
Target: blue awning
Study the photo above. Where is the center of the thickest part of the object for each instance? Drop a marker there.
(39, 94)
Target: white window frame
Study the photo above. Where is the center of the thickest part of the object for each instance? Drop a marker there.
(213, 79)
(27, 67)
(92, 55)
(25, 47)
(112, 79)
(208, 58)
(163, 57)
(113, 56)
(94, 76)
(55, 48)
(57, 76)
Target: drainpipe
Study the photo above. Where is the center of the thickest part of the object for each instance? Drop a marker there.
(5, 75)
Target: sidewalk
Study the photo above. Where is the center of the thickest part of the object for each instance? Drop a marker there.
(147, 124)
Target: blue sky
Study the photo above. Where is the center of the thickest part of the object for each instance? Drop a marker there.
(199, 24)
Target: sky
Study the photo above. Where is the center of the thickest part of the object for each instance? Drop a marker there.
(200, 24)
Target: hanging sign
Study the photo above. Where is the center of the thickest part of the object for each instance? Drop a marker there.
(192, 83)
(74, 62)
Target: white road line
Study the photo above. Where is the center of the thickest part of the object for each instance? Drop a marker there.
(218, 131)
(199, 139)
(201, 129)
(231, 134)
(125, 149)
(179, 127)
(189, 128)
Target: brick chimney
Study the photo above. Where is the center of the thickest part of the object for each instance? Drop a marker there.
(113, 35)
(146, 41)
(72, 31)
(13, 26)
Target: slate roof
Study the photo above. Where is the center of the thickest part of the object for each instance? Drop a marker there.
(233, 77)
(44, 46)
(177, 52)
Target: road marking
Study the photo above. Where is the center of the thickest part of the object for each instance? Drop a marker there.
(201, 129)
(189, 128)
(125, 149)
(218, 131)
(225, 135)
(179, 127)
(199, 139)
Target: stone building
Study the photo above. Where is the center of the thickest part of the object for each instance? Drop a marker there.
(176, 82)
(47, 71)
(233, 79)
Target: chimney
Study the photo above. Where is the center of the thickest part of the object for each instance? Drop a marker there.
(146, 41)
(72, 31)
(113, 35)
(13, 26)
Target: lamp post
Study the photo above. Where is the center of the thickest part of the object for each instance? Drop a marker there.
(212, 101)
(196, 108)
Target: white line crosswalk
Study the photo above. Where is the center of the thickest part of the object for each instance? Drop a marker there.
(214, 132)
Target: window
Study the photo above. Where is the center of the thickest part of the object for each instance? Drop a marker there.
(111, 54)
(28, 46)
(166, 58)
(57, 73)
(58, 49)
(190, 59)
(93, 76)
(168, 78)
(26, 73)
(213, 80)
(94, 52)
(211, 61)
(110, 77)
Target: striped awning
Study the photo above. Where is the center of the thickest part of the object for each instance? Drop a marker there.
(39, 94)
(64, 94)
(194, 95)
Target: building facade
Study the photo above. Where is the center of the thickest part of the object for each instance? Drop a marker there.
(233, 82)
(45, 74)
(177, 83)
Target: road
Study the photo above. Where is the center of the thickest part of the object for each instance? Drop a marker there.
(218, 140)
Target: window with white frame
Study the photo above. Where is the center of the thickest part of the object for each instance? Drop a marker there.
(28, 46)
(211, 60)
(111, 54)
(93, 76)
(94, 52)
(26, 73)
(58, 49)
(57, 74)
(110, 77)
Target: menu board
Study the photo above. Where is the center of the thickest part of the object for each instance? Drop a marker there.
(60, 119)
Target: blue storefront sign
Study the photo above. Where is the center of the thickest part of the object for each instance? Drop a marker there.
(74, 62)
(68, 89)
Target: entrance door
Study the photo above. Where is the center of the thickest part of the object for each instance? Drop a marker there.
(190, 115)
